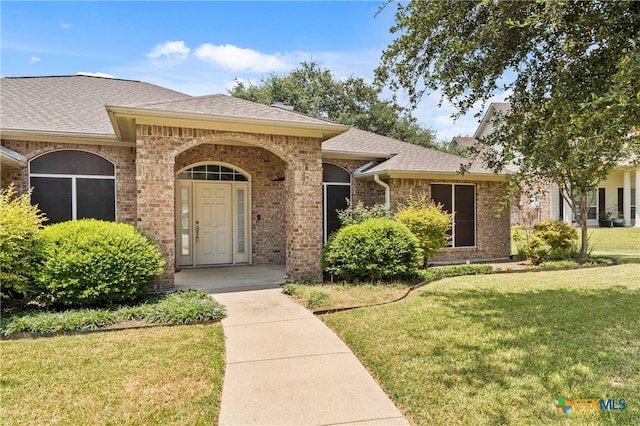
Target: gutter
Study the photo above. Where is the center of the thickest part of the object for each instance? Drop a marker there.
(12, 158)
(387, 191)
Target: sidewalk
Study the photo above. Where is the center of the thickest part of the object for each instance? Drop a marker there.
(285, 367)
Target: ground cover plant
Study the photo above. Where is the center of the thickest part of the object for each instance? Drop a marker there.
(160, 375)
(502, 348)
(181, 307)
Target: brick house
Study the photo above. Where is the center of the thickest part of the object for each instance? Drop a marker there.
(217, 180)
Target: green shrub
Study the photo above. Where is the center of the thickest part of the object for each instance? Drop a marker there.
(432, 274)
(556, 234)
(359, 213)
(376, 249)
(551, 240)
(317, 299)
(20, 223)
(95, 263)
(428, 222)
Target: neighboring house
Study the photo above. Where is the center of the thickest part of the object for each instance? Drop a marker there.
(619, 193)
(217, 180)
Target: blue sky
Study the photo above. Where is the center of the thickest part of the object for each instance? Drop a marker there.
(200, 47)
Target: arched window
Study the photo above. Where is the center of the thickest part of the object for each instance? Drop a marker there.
(336, 189)
(213, 172)
(70, 185)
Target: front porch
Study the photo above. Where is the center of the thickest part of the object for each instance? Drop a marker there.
(226, 279)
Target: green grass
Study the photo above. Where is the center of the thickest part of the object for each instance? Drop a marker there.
(336, 296)
(322, 297)
(615, 241)
(181, 307)
(609, 242)
(500, 349)
(160, 375)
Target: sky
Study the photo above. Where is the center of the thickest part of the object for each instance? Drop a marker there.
(202, 47)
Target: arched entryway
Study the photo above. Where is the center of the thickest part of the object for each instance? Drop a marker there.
(213, 211)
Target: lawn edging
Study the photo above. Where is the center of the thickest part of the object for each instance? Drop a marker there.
(411, 288)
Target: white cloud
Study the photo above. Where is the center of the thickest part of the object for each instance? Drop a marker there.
(172, 51)
(96, 74)
(239, 59)
(64, 26)
(34, 59)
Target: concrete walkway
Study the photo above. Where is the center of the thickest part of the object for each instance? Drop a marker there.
(285, 367)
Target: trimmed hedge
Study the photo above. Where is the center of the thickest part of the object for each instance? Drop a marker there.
(375, 249)
(94, 263)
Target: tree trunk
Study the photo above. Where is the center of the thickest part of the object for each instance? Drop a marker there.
(581, 218)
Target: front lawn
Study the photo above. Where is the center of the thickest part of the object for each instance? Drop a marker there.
(160, 375)
(609, 242)
(501, 349)
(615, 241)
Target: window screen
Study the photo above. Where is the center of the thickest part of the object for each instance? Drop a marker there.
(333, 173)
(53, 197)
(460, 199)
(70, 185)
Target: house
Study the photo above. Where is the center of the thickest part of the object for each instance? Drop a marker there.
(618, 193)
(217, 180)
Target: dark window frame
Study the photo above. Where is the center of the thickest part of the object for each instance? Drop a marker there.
(56, 173)
(452, 206)
(326, 184)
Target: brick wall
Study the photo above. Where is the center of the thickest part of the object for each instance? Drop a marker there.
(493, 232)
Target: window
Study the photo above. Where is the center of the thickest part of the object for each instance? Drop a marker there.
(70, 185)
(213, 172)
(592, 205)
(336, 189)
(459, 199)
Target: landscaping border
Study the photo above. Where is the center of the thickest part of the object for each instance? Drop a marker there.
(614, 262)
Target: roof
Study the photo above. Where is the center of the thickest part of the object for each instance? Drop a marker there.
(71, 104)
(86, 106)
(502, 108)
(396, 157)
(465, 141)
(229, 106)
(109, 108)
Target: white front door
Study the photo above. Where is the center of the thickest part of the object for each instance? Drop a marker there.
(213, 223)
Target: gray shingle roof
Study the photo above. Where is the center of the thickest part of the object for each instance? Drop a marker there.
(400, 156)
(465, 141)
(74, 104)
(229, 106)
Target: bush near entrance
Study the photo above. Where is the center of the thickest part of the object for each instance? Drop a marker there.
(94, 263)
(375, 249)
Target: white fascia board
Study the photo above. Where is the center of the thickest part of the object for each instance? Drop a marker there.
(148, 116)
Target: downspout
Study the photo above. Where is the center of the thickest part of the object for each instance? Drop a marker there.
(387, 191)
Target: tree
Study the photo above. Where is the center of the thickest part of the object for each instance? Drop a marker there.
(572, 68)
(314, 91)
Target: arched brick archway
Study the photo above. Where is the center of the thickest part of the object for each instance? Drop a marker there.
(158, 148)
